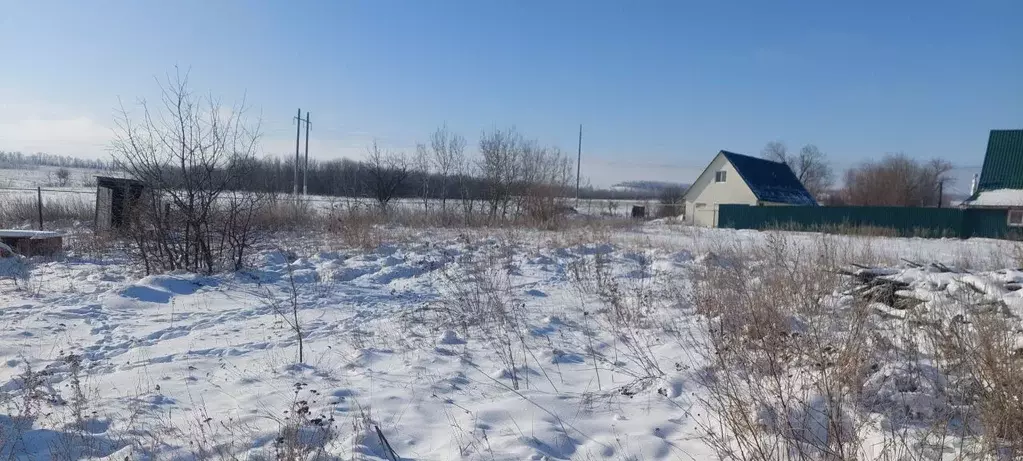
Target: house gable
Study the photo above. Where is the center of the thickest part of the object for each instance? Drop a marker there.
(706, 190)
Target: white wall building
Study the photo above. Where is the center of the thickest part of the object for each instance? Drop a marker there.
(742, 180)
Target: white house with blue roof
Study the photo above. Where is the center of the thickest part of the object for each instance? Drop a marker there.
(742, 180)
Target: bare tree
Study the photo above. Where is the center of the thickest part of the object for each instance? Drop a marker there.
(775, 151)
(63, 177)
(188, 152)
(544, 178)
(672, 202)
(810, 165)
(896, 180)
(386, 173)
(448, 149)
(498, 166)
(464, 176)
(422, 165)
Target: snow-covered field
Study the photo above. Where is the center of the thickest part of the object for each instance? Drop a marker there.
(445, 344)
(46, 177)
(22, 183)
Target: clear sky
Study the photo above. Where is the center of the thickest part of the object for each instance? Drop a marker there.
(660, 86)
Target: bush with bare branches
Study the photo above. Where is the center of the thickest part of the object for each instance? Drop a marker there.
(897, 180)
(189, 152)
(387, 172)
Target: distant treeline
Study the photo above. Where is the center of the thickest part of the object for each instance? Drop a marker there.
(351, 178)
(19, 160)
(342, 177)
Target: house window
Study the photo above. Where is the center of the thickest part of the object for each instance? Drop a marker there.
(719, 176)
(1015, 218)
(700, 205)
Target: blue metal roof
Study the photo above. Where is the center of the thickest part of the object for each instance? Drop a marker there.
(770, 181)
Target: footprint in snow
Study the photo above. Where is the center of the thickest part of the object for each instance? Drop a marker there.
(449, 337)
(390, 274)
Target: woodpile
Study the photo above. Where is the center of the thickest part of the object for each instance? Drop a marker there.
(873, 285)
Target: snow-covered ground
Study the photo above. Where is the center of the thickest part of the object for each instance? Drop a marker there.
(452, 344)
(32, 177)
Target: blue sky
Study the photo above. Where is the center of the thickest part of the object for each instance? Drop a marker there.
(660, 86)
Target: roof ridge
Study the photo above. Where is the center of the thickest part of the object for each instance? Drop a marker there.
(728, 152)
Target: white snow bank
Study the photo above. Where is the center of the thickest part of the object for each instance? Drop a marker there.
(16, 233)
(12, 265)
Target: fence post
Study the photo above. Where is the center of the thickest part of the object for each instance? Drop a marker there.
(39, 205)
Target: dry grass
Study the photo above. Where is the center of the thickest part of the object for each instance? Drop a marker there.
(863, 230)
(798, 371)
(57, 213)
(784, 366)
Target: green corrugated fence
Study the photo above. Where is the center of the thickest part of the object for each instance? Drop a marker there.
(903, 221)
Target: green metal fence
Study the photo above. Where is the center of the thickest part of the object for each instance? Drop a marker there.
(903, 221)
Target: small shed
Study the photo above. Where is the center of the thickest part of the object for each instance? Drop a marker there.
(115, 198)
(32, 243)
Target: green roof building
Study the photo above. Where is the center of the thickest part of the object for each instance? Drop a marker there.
(1000, 187)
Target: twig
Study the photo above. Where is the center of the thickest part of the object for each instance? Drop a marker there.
(383, 440)
(913, 264)
(561, 422)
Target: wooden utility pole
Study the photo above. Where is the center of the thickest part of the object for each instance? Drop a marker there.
(305, 166)
(578, 166)
(298, 138)
(39, 203)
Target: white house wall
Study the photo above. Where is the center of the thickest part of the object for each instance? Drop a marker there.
(712, 194)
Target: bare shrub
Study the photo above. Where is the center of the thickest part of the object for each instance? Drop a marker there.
(478, 302)
(277, 215)
(357, 228)
(786, 356)
(63, 177)
(896, 180)
(287, 308)
(979, 356)
(624, 307)
(672, 202)
(304, 435)
(387, 172)
(59, 212)
(95, 246)
(188, 153)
